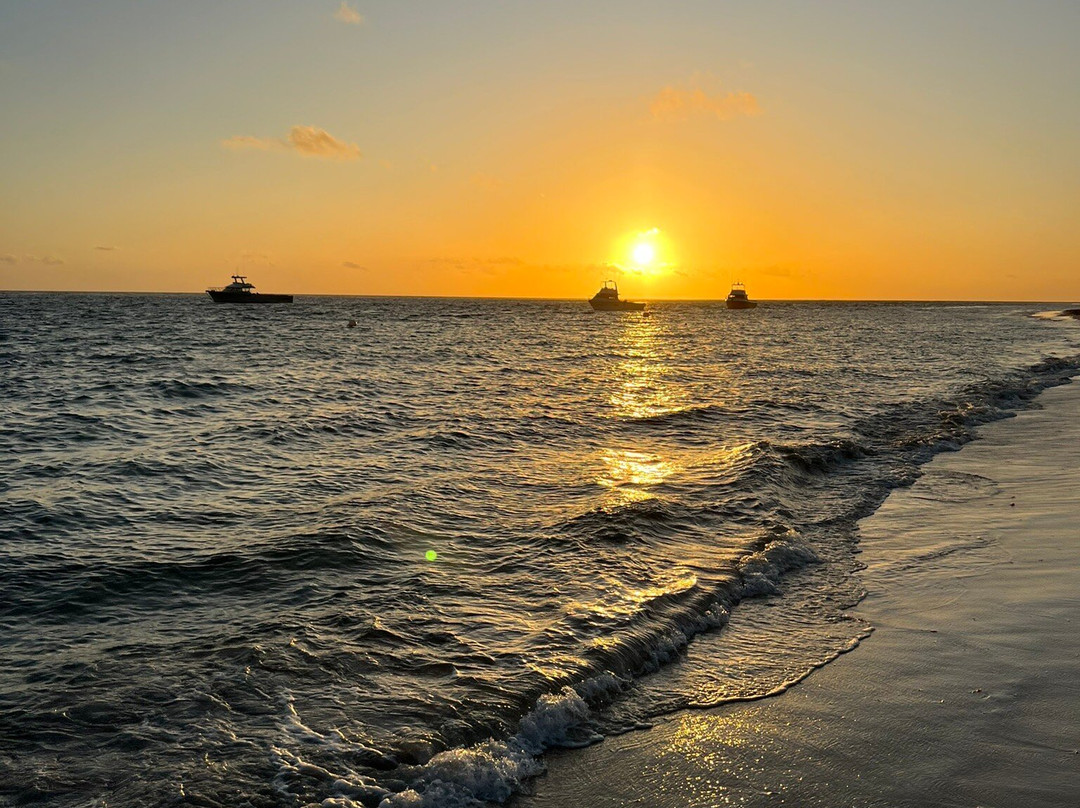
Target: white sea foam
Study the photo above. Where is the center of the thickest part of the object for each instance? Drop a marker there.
(493, 770)
(762, 570)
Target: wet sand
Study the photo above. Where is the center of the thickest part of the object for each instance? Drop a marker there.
(968, 691)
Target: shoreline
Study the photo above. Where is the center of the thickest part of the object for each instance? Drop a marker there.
(966, 692)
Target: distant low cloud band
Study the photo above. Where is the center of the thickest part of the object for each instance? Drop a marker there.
(46, 260)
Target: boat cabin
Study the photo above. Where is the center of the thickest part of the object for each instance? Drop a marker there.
(239, 284)
(610, 291)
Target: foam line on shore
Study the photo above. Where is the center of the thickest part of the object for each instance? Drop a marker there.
(966, 692)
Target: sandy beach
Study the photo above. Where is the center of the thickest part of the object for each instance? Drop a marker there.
(967, 692)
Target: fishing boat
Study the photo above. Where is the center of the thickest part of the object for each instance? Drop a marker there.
(240, 291)
(737, 298)
(607, 299)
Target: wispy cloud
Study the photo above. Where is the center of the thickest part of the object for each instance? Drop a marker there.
(352, 265)
(348, 15)
(256, 257)
(777, 271)
(45, 260)
(485, 182)
(248, 142)
(460, 262)
(677, 104)
(732, 273)
(307, 141)
(315, 142)
(494, 266)
(107, 248)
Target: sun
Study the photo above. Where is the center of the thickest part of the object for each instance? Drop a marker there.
(643, 253)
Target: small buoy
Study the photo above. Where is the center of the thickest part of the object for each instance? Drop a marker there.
(352, 323)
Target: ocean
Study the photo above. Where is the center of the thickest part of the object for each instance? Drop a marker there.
(252, 557)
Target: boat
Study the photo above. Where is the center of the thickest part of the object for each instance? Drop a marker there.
(737, 298)
(239, 291)
(607, 299)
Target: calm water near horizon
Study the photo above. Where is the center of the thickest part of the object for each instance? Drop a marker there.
(252, 557)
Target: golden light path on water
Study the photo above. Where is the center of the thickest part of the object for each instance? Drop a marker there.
(644, 387)
(641, 388)
(649, 381)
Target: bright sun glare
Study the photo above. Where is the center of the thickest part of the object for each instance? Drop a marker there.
(643, 253)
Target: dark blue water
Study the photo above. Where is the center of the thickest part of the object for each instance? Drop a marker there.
(252, 557)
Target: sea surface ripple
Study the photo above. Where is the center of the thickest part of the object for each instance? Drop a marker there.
(253, 558)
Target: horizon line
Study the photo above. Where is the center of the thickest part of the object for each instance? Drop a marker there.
(1002, 301)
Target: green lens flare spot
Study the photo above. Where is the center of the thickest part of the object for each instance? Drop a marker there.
(431, 555)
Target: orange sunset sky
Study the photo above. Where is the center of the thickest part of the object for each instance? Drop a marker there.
(907, 150)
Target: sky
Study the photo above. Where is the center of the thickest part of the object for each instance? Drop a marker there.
(512, 148)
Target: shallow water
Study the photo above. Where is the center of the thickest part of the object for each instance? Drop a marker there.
(219, 522)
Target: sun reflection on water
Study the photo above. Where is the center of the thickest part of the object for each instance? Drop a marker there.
(623, 467)
(643, 388)
(628, 475)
